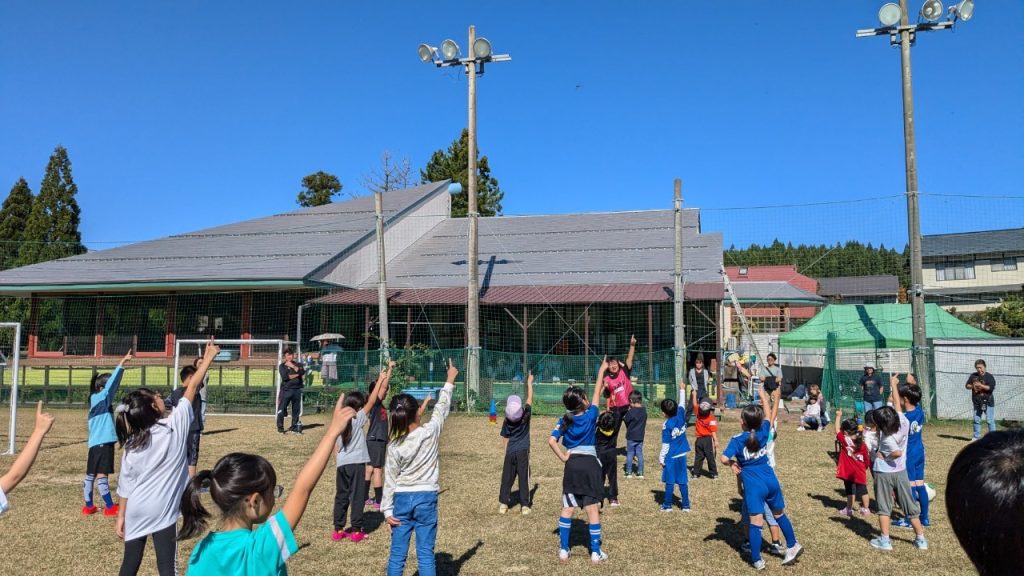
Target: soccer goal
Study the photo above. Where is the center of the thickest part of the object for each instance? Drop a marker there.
(243, 378)
(10, 352)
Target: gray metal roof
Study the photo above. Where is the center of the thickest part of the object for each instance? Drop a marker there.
(980, 289)
(772, 292)
(970, 243)
(283, 247)
(556, 250)
(880, 285)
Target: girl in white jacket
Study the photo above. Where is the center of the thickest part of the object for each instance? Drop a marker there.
(411, 477)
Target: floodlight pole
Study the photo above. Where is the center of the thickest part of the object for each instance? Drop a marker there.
(679, 329)
(382, 280)
(472, 259)
(904, 35)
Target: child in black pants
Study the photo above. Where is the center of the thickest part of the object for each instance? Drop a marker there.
(607, 452)
(636, 427)
(707, 437)
(516, 434)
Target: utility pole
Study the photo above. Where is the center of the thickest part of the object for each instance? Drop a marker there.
(382, 280)
(678, 329)
(473, 283)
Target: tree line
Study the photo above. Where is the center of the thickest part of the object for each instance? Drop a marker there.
(823, 261)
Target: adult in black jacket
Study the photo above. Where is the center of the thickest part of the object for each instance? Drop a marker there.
(292, 375)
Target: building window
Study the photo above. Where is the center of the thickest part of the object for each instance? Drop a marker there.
(947, 271)
(1004, 265)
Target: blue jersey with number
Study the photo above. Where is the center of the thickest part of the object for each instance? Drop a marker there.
(580, 430)
(754, 466)
(673, 434)
(915, 442)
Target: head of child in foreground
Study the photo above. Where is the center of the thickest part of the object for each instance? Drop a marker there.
(669, 408)
(98, 382)
(851, 428)
(636, 399)
(704, 408)
(751, 418)
(575, 400)
(513, 409)
(403, 412)
(186, 373)
(869, 421)
(606, 423)
(139, 410)
(910, 396)
(985, 502)
(243, 486)
(355, 400)
(887, 421)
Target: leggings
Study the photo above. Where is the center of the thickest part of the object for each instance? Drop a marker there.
(165, 542)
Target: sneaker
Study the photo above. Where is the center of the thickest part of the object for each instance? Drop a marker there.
(794, 551)
(563, 555)
(666, 509)
(111, 510)
(778, 548)
(368, 503)
(281, 430)
(882, 544)
(640, 475)
(297, 431)
(902, 523)
(372, 505)
(686, 509)
(339, 535)
(615, 503)
(357, 536)
(598, 557)
(502, 509)
(921, 543)
(925, 522)
(714, 476)
(846, 512)
(801, 429)
(759, 565)
(865, 512)
(89, 510)
(526, 510)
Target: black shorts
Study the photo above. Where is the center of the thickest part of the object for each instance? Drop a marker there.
(582, 481)
(378, 450)
(856, 490)
(101, 459)
(193, 447)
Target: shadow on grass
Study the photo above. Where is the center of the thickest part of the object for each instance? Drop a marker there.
(448, 565)
(729, 531)
(579, 534)
(857, 525)
(515, 499)
(953, 437)
(221, 431)
(310, 426)
(828, 501)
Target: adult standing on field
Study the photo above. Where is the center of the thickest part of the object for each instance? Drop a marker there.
(871, 384)
(292, 376)
(619, 386)
(982, 385)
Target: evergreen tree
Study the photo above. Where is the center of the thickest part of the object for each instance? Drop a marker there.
(318, 189)
(453, 165)
(13, 218)
(822, 261)
(51, 230)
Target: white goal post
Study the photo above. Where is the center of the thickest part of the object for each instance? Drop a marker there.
(12, 360)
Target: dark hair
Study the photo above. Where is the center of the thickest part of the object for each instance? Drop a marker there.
(354, 400)
(401, 414)
(812, 397)
(869, 418)
(233, 479)
(985, 501)
(852, 428)
(98, 382)
(635, 396)
(752, 417)
(186, 373)
(887, 420)
(911, 394)
(669, 407)
(134, 417)
(699, 358)
(772, 356)
(289, 351)
(574, 399)
(980, 361)
(606, 421)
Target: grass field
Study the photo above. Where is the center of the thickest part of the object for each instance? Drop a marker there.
(44, 532)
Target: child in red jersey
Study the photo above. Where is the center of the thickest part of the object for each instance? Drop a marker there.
(853, 464)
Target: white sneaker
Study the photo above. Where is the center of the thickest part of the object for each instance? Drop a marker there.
(502, 509)
(921, 543)
(792, 553)
(526, 510)
(778, 549)
(598, 557)
(801, 429)
(563, 555)
(686, 509)
(759, 565)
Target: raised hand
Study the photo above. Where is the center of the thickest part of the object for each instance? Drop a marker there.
(391, 365)
(604, 364)
(632, 341)
(127, 357)
(211, 350)
(44, 420)
(453, 372)
(529, 378)
(342, 416)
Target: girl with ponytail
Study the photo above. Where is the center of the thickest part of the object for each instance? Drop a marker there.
(749, 456)
(154, 470)
(244, 488)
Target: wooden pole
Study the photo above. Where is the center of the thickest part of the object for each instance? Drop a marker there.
(526, 351)
(586, 342)
(650, 342)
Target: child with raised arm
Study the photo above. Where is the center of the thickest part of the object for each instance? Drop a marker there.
(377, 443)
(27, 456)
(515, 433)
(706, 443)
(908, 400)
(251, 542)
(351, 461)
(581, 481)
(674, 447)
(411, 478)
(102, 437)
(154, 470)
(853, 465)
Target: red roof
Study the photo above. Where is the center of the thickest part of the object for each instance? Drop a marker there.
(775, 311)
(572, 294)
(785, 273)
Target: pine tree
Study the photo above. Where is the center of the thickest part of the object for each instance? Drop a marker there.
(318, 189)
(13, 216)
(454, 165)
(51, 230)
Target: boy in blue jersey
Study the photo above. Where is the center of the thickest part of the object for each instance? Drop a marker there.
(582, 486)
(102, 438)
(674, 447)
(908, 400)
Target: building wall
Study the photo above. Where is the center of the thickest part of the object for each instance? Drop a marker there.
(983, 275)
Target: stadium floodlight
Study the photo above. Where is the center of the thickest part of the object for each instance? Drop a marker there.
(427, 53)
(449, 50)
(931, 10)
(482, 48)
(964, 10)
(890, 14)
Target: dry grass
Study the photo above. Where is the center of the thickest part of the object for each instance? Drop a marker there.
(45, 534)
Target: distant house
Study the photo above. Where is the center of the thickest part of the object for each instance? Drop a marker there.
(973, 270)
(774, 299)
(879, 289)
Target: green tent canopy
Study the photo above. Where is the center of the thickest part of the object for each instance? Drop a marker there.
(875, 326)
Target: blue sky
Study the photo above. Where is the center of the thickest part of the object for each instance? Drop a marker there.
(186, 114)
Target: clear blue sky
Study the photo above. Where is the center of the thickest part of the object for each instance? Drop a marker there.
(181, 115)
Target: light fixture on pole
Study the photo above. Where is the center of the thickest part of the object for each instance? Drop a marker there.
(903, 35)
(480, 54)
